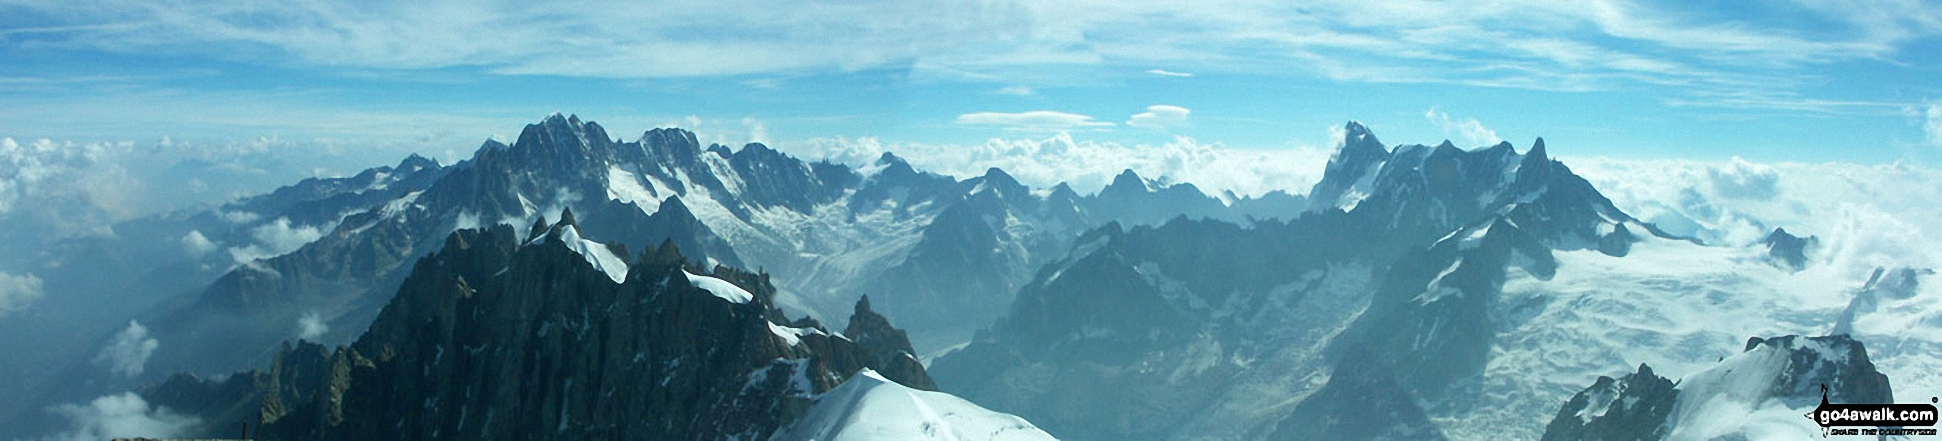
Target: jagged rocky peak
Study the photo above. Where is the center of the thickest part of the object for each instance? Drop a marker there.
(1357, 159)
(672, 141)
(1787, 250)
(1417, 190)
(495, 337)
(894, 168)
(414, 163)
(1128, 179)
(1634, 406)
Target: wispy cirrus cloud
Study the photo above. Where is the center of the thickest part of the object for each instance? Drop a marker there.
(1526, 44)
(1932, 123)
(1033, 121)
(1159, 116)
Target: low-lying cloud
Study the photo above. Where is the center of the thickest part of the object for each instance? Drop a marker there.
(123, 415)
(1866, 215)
(196, 244)
(276, 238)
(128, 353)
(1467, 129)
(311, 326)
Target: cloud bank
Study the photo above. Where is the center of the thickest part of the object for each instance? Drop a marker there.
(1089, 165)
(1866, 215)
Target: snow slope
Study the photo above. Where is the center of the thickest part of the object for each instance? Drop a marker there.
(869, 407)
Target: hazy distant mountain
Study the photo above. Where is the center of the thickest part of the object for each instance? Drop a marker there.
(158, 263)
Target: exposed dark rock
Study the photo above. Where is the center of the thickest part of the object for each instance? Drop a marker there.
(1789, 251)
(491, 339)
(1632, 407)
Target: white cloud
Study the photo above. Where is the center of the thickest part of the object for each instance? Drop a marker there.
(17, 291)
(1168, 73)
(1932, 126)
(1016, 91)
(276, 238)
(1033, 121)
(1740, 179)
(757, 131)
(1089, 165)
(124, 415)
(311, 326)
(1159, 116)
(128, 353)
(1469, 129)
(196, 244)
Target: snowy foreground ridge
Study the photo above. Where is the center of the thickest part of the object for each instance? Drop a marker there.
(869, 408)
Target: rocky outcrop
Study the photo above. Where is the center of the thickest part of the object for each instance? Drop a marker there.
(886, 348)
(502, 337)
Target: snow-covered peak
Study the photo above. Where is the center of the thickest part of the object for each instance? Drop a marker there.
(869, 407)
(721, 288)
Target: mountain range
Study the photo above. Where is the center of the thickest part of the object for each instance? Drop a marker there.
(1414, 292)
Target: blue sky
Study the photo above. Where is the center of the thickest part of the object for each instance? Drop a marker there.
(1804, 80)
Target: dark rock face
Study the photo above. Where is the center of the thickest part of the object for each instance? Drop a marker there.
(1430, 321)
(492, 339)
(1789, 251)
(1358, 403)
(1633, 407)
